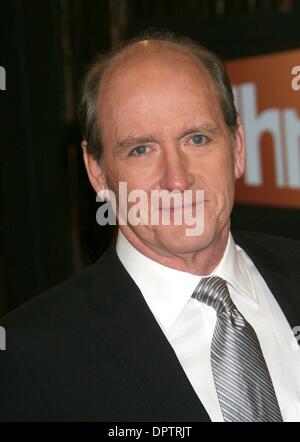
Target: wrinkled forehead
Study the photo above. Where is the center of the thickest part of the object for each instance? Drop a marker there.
(148, 69)
(151, 51)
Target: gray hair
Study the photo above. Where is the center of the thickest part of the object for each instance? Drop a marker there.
(91, 84)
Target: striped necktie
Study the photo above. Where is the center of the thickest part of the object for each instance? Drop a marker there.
(242, 380)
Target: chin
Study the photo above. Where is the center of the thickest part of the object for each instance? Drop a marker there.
(175, 240)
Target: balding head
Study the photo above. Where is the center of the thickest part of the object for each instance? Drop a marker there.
(160, 46)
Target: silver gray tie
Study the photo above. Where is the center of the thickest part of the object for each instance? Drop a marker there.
(243, 383)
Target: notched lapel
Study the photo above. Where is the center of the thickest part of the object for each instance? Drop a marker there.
(283, 283)
(132, 334)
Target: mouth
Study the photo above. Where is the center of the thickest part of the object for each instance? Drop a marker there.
(181, 207)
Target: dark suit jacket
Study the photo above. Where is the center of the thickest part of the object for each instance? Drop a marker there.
(91, 349)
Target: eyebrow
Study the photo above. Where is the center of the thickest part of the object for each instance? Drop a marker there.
(130, 141)
(208, 128)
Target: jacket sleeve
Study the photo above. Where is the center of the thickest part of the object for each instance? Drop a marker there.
(20, 397)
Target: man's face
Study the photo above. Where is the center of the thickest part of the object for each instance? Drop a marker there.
(162, 128)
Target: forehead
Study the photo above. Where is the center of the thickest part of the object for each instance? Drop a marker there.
(151, 84)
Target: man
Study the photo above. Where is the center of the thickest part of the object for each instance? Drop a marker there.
(165, 326)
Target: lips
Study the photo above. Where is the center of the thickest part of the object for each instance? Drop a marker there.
(180, 207)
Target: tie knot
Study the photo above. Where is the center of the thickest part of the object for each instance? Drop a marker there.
(213, 291)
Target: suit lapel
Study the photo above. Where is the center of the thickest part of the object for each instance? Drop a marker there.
(132, 334)
(283, 283)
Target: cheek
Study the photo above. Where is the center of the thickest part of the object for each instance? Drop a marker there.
(221, 171)
(134, 180)
(219, 180)
(138, 176)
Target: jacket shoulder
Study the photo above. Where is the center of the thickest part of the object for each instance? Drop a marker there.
(284, 249)
(58, 306)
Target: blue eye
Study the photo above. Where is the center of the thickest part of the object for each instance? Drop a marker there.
(198, 139)
(140, 150)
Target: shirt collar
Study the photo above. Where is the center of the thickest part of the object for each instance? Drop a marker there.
(235, 269)
(167, 290)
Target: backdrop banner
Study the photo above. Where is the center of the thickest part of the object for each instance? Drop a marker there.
(267, 95)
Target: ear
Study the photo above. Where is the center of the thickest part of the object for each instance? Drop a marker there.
(239, 151)
(93, 168)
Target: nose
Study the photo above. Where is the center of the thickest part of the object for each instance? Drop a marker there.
(176, 173)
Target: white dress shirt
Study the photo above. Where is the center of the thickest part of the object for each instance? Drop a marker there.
(189, 324)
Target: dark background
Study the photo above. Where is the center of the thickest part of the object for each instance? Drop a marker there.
(47, 208)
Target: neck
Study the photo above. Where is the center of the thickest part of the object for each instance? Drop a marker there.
(200, 262)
